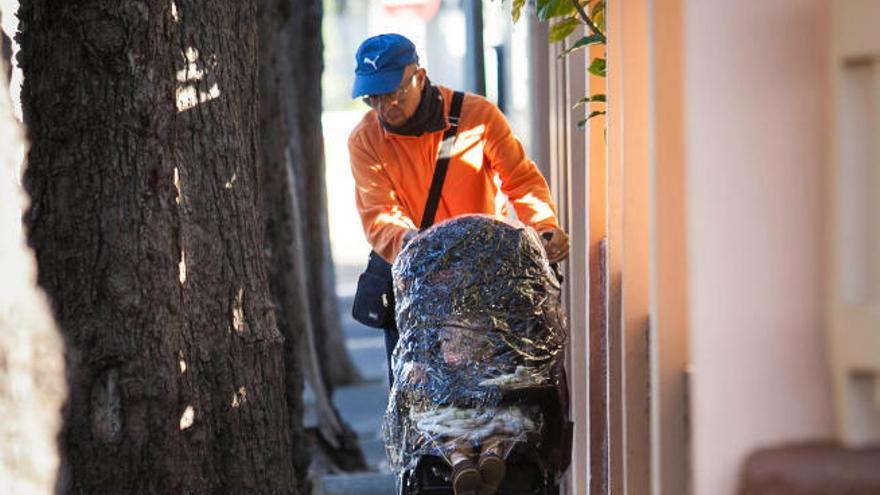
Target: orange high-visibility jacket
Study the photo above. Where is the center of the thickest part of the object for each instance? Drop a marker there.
(393, 173)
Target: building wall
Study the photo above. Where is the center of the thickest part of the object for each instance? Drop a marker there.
(756, 127)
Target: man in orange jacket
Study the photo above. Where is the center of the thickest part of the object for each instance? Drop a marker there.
(394, 150)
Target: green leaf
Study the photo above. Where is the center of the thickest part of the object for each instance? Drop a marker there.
(581, 43)
(599, 97)
(548, 9)
(541, 7)
(583, 124)
(597, 67)
(516, 9)
(599, 20)
(598, 7)
(562, 29)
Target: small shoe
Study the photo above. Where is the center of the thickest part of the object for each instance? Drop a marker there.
(492, 470)
(465, 478)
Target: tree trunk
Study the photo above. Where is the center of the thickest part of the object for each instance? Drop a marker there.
(6, 55)
(303, 65)
(145, 221)
(289, 269)
(281, 242)
(31, 361)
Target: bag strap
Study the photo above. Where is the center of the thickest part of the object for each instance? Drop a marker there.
(442, 161)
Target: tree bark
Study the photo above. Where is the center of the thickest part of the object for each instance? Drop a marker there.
(31, 361)
(145, 221)
(6, 55)
(282, 244)
(229, 289)
(303, 66)
(286, 246)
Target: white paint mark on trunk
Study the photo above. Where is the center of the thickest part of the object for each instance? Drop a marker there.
(193, 74)
(177, 184)
(231, 181)
(238, 312)
(189, 97)
(181, 268)
(187, 418)
(239, 397)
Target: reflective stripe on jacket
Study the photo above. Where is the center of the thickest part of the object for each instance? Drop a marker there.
(393, 173)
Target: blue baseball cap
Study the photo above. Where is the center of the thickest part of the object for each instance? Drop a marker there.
(381, 61)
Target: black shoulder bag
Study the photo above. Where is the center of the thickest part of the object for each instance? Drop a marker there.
(374, 299)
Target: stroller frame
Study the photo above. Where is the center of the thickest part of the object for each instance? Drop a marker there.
(532, 470)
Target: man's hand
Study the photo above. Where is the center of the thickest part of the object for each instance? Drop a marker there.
(408, 237)
(555, 244)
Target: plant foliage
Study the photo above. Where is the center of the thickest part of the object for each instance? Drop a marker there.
(565, 18)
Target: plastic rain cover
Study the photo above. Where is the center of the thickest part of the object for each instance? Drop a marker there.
(479, 314)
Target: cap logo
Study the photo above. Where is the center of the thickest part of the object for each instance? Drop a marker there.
(380, 63)
(372, 62)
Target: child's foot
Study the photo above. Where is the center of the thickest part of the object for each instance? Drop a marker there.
(465, 477)
(492, 469)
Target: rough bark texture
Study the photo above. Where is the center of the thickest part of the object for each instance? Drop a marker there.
(227, 289)
(6, 55)
(303, 50)
(286, 246)
(31, 361)
(281, 242)
(145, 221)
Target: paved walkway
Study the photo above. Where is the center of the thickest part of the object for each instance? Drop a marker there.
(363, 405)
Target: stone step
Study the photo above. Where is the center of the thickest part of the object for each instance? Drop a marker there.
(374, 454)
(363, 406)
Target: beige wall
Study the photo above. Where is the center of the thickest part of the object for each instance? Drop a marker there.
(755, 143)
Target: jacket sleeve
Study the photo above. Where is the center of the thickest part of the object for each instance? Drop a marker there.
(383, 218)
(521, 180)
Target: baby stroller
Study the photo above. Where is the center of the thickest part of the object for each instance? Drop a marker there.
(478, 362)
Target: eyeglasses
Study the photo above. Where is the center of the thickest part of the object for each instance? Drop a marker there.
(374, 101)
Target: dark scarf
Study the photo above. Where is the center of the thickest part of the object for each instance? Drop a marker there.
(428, 116)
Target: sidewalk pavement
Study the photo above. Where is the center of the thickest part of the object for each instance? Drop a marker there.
(362, 406)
